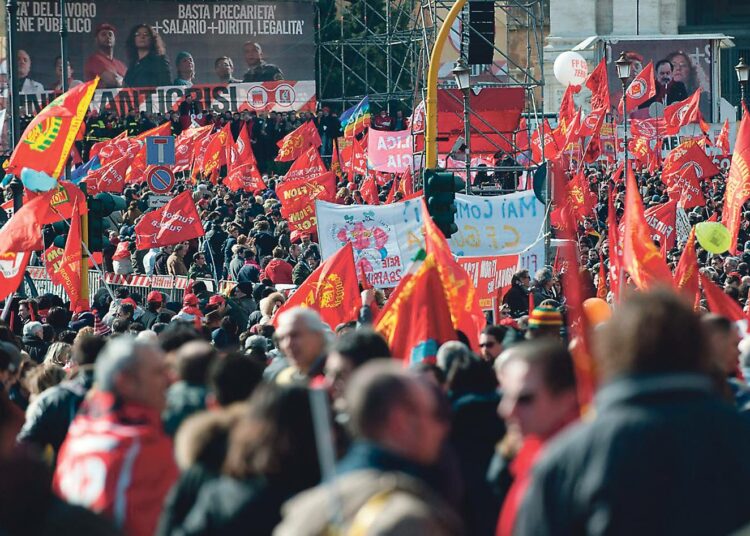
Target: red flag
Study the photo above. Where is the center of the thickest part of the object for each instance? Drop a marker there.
(640, 256)
(406, 185)
(242, 168)
(297, 142)
(70, 265)
(738, 181)
(108, 178)
(591, 125)
(722, 140)
(598, 83)
(175, 222)
(459, 290)
(567, 113)
(12, 267)
(307, 166)
(416, 320)
(719, 302)
(641, 89)
(686, 273)
(332, 290)
(688, 193)
(688, 160)
(23, 232)
(199, 152)
(216, 151)
(683, 113)
(392, 192)
(46, 142)
(107, 148)
(574, 294)
(663, 222)
(355, 158)
(582, 200)
(184, 146)
(615, 244)
(369, 191)
(551, 145)
(298, 200)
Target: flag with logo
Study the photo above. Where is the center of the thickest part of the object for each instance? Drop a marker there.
(307, 166)
(108, 178)
(46, 142)
(416, 320)
(175, 222)
(641, 89)
(689, 161)
(185, 144)
(298, 200)
(683, 113)
(598, 84)
(369, 191)
(216, 151)
(23, 232)
(686, 273)
(332, 290)
(12, 267)
(296, 142)
(242, 168)
(722, 140)
(663, 222)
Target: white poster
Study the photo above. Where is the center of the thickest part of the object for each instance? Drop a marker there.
(386, 237)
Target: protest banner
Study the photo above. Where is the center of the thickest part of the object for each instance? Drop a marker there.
(491, 275)
(386, 237)
(390, 152)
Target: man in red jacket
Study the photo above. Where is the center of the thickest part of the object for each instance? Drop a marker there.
(278, 270)
(116, 459)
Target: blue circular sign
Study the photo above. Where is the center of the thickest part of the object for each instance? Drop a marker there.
(160, 179)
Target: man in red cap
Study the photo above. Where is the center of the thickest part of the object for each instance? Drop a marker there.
(102, 63)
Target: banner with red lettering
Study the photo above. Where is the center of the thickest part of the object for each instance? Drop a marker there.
(491, 275)
(389, 151)
(175, 222)
(298, 200)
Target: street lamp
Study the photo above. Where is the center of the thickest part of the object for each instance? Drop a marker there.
(743, 73)
(623, 73)
(462, 74)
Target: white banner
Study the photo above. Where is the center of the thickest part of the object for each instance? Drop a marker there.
(386, 237)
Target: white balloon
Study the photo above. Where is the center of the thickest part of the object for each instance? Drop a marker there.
(570, 69)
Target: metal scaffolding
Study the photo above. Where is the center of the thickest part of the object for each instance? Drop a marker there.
(381, 48)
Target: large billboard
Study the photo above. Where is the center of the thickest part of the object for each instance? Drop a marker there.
(691, 63)
(136, 43)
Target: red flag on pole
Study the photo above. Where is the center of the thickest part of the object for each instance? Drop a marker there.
(640, 256)
(70, 266)
(738, 181)
(108, 178)
(722, 140)
(369, 191)
(641, 89)
(307, 166)
(175, 222)
(683, 113)
(12, 267)
(296, 142)
(332, 290)
(242, 168)
(686, 273)
(598, 83)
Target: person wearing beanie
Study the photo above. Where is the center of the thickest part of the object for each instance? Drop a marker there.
(190, 311)
(545, 321)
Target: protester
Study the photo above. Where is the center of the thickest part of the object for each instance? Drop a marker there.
(395, 419)
(136, 468)
(658, 401)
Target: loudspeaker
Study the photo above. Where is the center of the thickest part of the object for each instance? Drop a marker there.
(481, 32)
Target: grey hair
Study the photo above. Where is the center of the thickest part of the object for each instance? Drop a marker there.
(543, 275)
(312, 320)
(119, 355)
(450, 353)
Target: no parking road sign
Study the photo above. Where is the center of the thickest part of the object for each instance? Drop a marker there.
(160, 179)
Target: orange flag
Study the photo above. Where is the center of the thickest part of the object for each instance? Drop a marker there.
(332, 290)
(417, 320)
(46, 142)
(738, 181)
(641, 258)
(686, 273)
(296, 142)
(459, 290)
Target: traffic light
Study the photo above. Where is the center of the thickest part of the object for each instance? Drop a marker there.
(101, 206)
(440, 189)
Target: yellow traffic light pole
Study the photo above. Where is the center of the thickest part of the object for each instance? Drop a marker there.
(430, 131)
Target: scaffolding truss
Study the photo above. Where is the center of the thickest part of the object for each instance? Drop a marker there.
(381, 48)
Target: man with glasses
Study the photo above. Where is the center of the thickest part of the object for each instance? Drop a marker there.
(491, 342)
(199, 268)
(539, 400)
